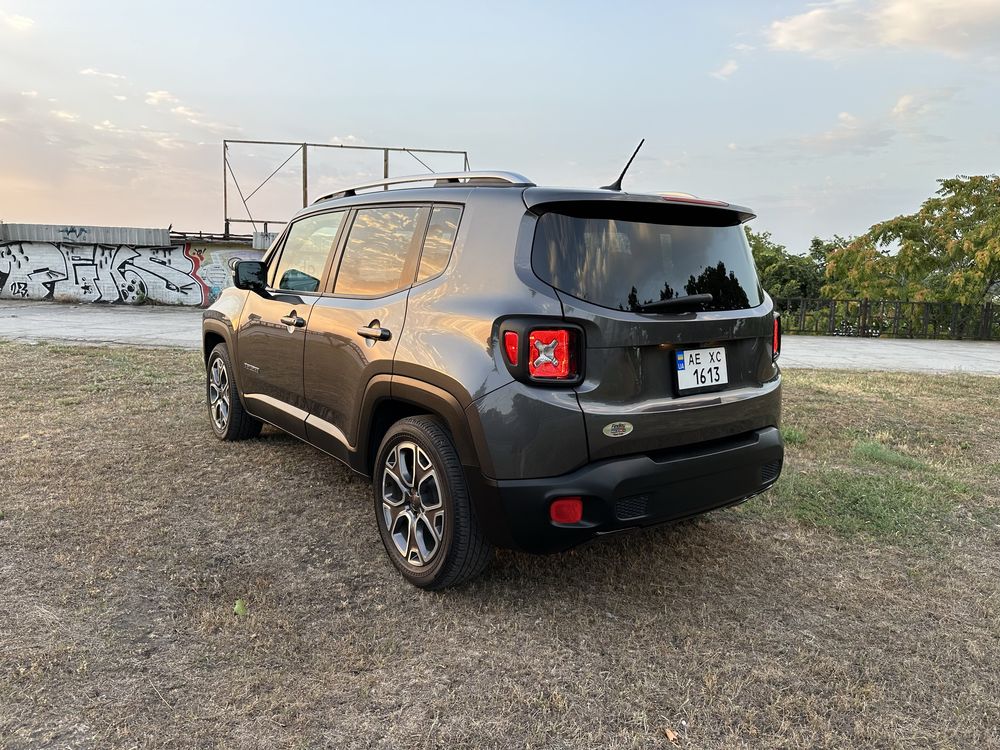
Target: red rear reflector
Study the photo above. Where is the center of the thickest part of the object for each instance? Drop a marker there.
(549, 354)
(776, 342)
(566, 510)
(510, 345)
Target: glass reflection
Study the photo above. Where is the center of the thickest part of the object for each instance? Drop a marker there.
(437, 244)
(309, 244)
(377, 249)
(626, 264)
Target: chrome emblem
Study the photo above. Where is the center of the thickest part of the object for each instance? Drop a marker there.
(546, 353)
(617, 429)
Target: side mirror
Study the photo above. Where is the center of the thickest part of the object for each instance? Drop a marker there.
(250, 274)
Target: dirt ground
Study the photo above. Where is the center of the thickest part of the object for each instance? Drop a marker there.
(855, 605)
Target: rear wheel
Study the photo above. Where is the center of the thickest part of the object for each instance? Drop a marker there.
(230, 421)
(422, 507)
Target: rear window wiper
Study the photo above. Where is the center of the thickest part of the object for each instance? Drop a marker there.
(688, 300)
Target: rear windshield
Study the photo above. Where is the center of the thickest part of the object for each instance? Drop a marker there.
(626, 264)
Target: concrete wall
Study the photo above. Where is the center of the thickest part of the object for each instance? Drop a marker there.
(183, 274)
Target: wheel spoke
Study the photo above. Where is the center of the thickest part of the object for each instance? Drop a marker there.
(393, 489)
(430, 495)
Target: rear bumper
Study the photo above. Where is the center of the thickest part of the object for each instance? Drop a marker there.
(630, 491)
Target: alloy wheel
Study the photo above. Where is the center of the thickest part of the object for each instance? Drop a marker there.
(218, 394)
(412, 506)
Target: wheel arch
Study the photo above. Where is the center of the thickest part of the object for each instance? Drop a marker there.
(407, 397)
(214, 333)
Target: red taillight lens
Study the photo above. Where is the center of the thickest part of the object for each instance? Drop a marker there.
(549, 355)
(776, 343)
(510, 345)
(566, 510)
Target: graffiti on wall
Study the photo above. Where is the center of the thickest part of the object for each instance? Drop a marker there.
(118, 274)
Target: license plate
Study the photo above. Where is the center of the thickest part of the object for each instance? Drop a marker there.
(701, 368)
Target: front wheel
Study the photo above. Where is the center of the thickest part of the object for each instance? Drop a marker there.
(422, 507)
(230, 421)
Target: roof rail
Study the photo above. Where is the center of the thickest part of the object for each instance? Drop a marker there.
(440, 179)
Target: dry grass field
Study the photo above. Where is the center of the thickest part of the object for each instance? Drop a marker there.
(855, 605)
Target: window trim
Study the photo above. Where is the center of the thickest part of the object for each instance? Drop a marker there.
(275, 259)
(331, 282)
(451, 250)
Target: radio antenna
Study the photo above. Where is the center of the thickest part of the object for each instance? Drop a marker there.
(617, 184)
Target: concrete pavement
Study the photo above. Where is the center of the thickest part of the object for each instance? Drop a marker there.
(150, 325)
(901, 355)
(89, 323)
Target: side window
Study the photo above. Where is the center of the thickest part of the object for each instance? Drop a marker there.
(307, 248)
(440, 237)
(381, 250)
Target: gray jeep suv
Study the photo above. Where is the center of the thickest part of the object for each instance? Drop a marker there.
(511, 365)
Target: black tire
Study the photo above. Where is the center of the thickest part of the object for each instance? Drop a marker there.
(461, 550)
(237, 424)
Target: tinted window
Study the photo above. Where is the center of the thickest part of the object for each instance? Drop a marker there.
(309, 244)
(626, 264)
(440, 237)
(380, 243)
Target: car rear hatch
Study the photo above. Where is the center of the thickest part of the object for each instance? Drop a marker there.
(635, 273)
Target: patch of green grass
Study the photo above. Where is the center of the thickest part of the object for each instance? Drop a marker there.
(883, 506)
(793, 435)
(875, 452)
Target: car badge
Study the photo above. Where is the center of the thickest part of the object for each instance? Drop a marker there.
(617, 429)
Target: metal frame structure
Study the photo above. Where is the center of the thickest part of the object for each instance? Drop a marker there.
(303, 149)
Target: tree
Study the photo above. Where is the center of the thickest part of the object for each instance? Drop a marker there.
(948, 251)
(784, 274)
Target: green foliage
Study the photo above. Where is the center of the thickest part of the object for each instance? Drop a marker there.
(948, 251)
(784, 274)
(880, 454)
(885, 505)
(793, 436)
(240, 610)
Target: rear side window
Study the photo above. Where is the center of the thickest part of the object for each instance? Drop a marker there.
(626, 264)
(307, 248)
(381, 251)
(440, 238)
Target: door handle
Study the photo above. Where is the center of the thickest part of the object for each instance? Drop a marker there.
(293, 320)
(375, 333)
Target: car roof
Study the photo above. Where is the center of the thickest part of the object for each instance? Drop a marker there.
(457, 187)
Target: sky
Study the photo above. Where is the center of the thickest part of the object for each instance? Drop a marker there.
(823, 117)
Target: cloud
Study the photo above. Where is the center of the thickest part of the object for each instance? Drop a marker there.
(120, 97)
(156, 98)
(727, 69)
(912, 106)
(835, 28)
(347, 140)
(15, 22)
(106, 126)
(101, 74)
(849, 136)
(65, 116)
(30, 94)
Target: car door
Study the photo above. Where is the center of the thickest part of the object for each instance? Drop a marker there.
(275, 322)
(354, 330)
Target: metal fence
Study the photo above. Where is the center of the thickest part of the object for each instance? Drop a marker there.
(874, 318)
